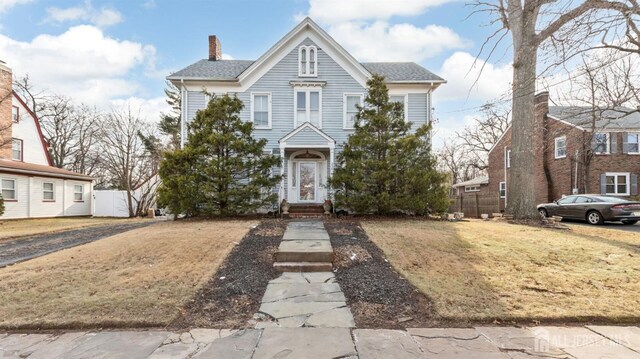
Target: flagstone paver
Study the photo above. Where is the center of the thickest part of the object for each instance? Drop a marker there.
(125, 345)
(240, 345)
(584, 343)
(443, 343)
(626, 336)
(510, 339)
(382, 344)
(305, 299)
(303, 343)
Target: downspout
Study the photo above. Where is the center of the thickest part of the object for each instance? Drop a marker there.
(506, 185)
(183, 115)
(575, 175)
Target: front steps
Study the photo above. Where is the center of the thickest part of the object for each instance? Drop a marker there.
(305, 247)
(305, 211)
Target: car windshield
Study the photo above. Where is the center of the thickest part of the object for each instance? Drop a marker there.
(609, 199)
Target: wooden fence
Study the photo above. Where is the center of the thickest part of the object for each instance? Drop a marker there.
(473, 205)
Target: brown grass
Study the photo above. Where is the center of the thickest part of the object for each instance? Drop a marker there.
(484, 271)
(27, 227)
(137, 278)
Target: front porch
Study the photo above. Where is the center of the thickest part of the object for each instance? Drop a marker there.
(308, 157)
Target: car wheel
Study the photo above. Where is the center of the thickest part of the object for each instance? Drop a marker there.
(543, 213)
(594, 217)
(629, 222)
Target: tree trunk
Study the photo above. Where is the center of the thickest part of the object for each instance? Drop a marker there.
(522, 191)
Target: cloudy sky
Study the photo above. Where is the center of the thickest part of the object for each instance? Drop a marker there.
(108, 53)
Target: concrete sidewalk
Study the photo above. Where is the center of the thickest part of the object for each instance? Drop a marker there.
(593, 342)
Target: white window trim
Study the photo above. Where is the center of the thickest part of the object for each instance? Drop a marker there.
(507, 159)
(76, 192)
(13, 140)
(344, 108)
(307, 89)
(627, 140)
(253, 95)
(307, 49)
(406, 102)
(53, 191)
(615, 182)
(15, 189)
(476, 188)
(500, 189)
(608, 143)
(557, 139)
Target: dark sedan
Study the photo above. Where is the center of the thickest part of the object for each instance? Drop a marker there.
(595, 209)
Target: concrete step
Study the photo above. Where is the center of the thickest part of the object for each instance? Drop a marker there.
(303, 266)
(308, 250)
(304, 257)
(305, 215)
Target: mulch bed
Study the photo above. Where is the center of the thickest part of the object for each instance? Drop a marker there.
(232, 296)
(379, 296)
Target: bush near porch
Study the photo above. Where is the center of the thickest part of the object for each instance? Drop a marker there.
(480, 271)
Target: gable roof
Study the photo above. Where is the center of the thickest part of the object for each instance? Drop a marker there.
(240, 70)
(305, 126)
(618, 118)
(473, 182)
(43, 142)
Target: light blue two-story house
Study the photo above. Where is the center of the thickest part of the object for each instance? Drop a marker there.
(301, 96)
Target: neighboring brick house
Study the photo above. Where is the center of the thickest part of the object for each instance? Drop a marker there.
(567, 138)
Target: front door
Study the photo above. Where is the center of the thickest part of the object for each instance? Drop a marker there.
(308, 175)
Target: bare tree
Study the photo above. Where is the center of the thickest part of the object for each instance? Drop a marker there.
(568, 27)
(454, 158)
(33, 97)
(479, 138)
(124, 151)
(59, 128)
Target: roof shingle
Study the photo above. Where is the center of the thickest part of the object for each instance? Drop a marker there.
(618, 118)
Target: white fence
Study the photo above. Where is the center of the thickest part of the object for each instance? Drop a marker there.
(110, 203)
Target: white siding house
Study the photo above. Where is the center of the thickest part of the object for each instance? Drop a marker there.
(301, 95)
(29, 185)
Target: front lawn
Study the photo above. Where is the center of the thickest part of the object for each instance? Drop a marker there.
(27, 227)
(138, 278)
(485, 271)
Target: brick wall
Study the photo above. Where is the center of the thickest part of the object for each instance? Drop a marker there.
(5, 111)
(556, 177)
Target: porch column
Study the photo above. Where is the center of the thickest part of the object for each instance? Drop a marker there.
(282, 164)
(332, 157)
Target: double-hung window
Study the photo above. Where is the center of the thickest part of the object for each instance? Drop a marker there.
(503, 189)
(48, 193)
(8, 189)
(561, 147)
(601, 143)
(261, 110)
(507, 159)
(78, 193)
(16, 149)
(474, 188)
(308, 61)
(351, 101)
(617, 183)
(633, 143)
(308, 104)
(402, 99)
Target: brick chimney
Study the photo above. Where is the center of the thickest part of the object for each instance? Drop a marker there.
(6, 99)
(215, 49)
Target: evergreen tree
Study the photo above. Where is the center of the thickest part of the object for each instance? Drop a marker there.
(222, 170)
(384, 166)
(170, 122)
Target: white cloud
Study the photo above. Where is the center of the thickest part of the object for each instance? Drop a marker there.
(86, 12)
(7, 4)
(381, 41)
(149, 4)
(81, 63)
(467, 79)
(339, 11)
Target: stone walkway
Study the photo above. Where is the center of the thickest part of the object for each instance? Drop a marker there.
(305, 299)
(593, 342)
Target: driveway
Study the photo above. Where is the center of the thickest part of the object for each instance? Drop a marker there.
(608, 225)
(22, 249)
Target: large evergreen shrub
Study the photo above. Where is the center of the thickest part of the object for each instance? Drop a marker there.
(386, 167)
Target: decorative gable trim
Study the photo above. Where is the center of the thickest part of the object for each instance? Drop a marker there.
(330, 141)
(306, 28)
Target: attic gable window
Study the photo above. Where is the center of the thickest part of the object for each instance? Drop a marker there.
(308, 61)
